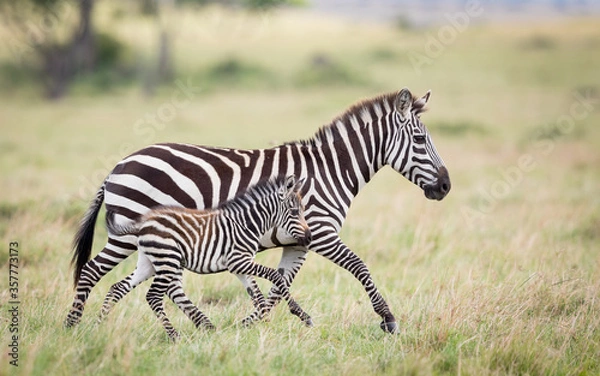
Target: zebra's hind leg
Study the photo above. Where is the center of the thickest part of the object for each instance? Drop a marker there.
(155, 298)
(142, 272)
(177, 295)
(258, 299)
(92, 272)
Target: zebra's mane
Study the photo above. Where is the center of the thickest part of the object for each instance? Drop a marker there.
(374, 108)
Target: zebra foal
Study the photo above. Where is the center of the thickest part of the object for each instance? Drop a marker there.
(170, 239)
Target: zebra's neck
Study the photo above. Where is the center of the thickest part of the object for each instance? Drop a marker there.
(254, 209)
(351, 148)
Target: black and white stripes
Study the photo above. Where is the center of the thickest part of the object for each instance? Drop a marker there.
(336, 162)
(211, 241)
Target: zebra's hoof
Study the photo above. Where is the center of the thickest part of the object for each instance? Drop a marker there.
(70, 322)
(246, 323)
(174, 336)
(309, 323)
(389, 327)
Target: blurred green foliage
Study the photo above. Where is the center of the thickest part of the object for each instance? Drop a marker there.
(322, 70)
(108, 49)
(458, 128)
(234, 71)
(539, 42)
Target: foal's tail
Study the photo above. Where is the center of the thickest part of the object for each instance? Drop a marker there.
(120, 230)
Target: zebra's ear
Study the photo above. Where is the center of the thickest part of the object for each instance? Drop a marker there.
(299, 184)
(290, 181)
(288, 188)
(404, 102)
(422, 102)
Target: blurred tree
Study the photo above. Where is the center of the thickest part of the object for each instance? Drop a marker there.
(162, 70)
(39, 25)
(165, 61)
(57, 39)
(251, 4)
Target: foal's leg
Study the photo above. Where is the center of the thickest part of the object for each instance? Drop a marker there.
(292, 259)
(177, 295)
(249, 267)
(142, 272)
(258, 299)
(155, 296)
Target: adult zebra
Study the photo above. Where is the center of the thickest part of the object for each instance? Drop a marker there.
(336, 163)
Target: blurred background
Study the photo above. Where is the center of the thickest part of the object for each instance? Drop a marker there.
(501, 275)
(68, 47)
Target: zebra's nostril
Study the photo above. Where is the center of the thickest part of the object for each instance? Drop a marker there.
(445, 188)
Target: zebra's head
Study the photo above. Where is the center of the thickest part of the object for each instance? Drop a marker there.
(291, 210)
(411, 151)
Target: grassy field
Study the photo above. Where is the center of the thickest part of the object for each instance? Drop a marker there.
(501, 277)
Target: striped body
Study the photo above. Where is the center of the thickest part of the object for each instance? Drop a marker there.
(336, 162)
(211, 241)
(203, 240)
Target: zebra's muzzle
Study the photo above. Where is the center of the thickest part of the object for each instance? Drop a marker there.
(306, 239)
(440, 188)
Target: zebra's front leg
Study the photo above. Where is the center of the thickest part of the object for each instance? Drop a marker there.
(275, 277)
(292, 259)
(335, 250)
(177, 295)
(258, 299)
(249, 267)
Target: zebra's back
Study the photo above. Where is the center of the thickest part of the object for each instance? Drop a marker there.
(189, 176)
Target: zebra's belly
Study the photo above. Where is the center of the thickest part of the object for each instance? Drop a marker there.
(206, 263)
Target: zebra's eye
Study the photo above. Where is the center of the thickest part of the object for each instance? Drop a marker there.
(294, 211)
(419, 138)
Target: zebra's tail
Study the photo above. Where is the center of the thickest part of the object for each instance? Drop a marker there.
(84, 237)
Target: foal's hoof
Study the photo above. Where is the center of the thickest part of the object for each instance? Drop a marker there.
(309, 323)
(246, 323)
(389, 327)
(71, 322)
(174, 336)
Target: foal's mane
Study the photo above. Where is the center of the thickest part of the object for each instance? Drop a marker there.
(258, 190)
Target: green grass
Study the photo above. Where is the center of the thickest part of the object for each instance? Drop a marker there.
(481, 283)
